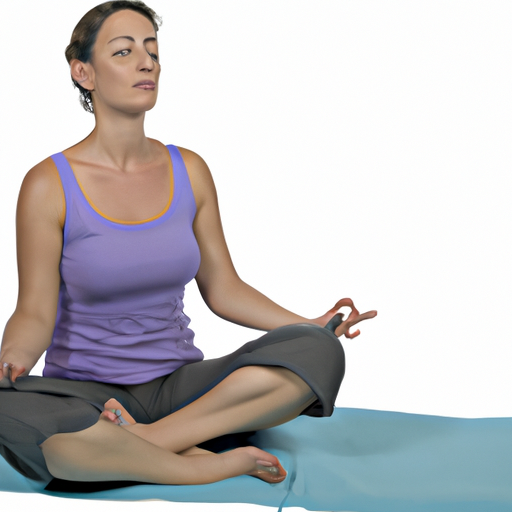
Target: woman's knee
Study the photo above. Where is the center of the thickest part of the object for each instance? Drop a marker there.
(322, 351)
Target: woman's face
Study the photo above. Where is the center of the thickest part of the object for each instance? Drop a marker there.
(124, 64)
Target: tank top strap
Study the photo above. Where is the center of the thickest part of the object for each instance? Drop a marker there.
(182, 185)
(67, 177)
(176, 157)
(69, 186)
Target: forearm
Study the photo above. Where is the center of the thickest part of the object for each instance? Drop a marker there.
(240, 303)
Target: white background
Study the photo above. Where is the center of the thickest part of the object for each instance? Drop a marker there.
(360, 149)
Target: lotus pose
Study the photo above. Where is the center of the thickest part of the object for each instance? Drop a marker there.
(109, 233)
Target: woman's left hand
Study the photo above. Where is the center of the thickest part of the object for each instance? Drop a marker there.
(353, 318)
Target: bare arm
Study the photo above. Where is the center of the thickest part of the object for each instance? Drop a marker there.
(222, 289)
(39, 221)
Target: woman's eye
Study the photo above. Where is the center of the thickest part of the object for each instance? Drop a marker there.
(123, 53)
(154, 56)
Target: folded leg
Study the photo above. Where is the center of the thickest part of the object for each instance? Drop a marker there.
(107, 452)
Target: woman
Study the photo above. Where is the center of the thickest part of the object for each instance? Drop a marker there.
(109, 232)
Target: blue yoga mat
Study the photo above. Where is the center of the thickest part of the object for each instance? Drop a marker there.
(361, 461)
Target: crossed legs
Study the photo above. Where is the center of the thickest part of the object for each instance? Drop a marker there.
(251, 398)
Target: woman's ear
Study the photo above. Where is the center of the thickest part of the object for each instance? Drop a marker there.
(81, 73)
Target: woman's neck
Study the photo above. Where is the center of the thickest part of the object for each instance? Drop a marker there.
(120, 141)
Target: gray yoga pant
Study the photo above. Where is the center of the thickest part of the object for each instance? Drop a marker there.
(35, 408)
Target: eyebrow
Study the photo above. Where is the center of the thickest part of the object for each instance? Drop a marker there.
(132, 39)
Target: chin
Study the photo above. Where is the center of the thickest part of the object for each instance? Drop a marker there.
(139, 108)
(129, 103)
(149, 103)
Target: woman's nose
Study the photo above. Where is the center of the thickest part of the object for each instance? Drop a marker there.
(146, 61)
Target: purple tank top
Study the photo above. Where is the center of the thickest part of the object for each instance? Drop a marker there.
(120, 314)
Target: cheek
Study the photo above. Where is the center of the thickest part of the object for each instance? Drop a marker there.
(110, 78)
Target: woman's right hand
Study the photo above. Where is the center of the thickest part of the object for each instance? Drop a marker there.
(9, 372)
(5, 375)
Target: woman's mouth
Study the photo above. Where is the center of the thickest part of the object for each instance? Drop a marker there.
(145, 84)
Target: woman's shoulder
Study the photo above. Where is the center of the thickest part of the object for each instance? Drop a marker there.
(41, 188)
(193, 162)
(199, 174)
(42, 176)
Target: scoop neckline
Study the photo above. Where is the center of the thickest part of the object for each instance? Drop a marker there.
(93, 207)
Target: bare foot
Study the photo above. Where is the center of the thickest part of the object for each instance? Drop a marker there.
(116, 413)
(265, 466)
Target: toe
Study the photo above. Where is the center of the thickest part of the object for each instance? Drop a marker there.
(122, 415)
(272, 475)
(110, 415)
(269, 470)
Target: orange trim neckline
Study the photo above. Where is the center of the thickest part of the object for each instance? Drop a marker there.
(131, 222)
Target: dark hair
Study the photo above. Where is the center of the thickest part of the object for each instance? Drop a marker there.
(85, 34)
